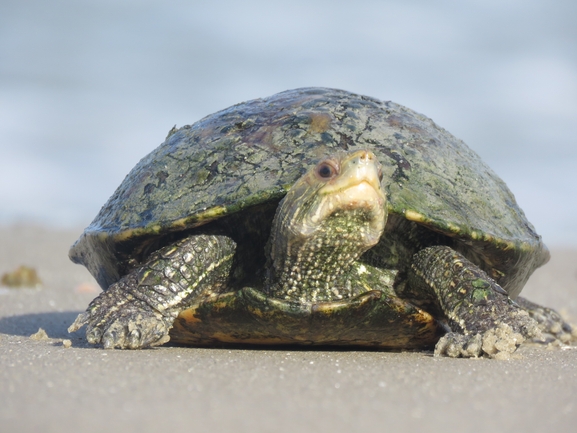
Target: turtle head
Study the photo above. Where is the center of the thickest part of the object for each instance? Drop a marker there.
(339, 192)
(329, 217)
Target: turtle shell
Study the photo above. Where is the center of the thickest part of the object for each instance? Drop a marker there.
(251, 153)
(247, 316)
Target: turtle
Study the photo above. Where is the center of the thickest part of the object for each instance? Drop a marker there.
(314, 217)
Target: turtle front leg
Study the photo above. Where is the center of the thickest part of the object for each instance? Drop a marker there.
(482, 317)
(138, 310)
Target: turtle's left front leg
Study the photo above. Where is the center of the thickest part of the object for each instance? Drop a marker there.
(482, 317)
(138, 310)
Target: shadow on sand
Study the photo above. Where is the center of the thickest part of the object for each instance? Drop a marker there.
(54, 323)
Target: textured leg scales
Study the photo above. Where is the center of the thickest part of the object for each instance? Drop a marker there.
(483, 319)
(138, 310)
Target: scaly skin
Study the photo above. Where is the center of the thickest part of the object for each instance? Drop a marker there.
(330, 216)
(139, 310)
(482, 317)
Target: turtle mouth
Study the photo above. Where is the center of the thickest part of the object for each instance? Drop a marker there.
(361, 201)
(364, 192)
(362, 195)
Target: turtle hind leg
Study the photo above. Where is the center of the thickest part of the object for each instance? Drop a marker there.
(483, 319)
(552, 325)
(138, 310)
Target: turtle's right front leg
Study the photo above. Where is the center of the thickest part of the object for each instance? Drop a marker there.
(482, 317)
(138, 310)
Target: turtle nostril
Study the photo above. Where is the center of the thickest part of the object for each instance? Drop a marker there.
(366, 156)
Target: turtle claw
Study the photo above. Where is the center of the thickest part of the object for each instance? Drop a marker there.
(498, 342)
(116, 319)
(110, 340)
(134, 339)
(456, 345)
(129, 332)
(94, 335)
(81, 320)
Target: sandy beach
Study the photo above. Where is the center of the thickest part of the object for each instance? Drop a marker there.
(47, 386)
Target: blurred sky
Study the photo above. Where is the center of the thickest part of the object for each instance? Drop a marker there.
(87, 88)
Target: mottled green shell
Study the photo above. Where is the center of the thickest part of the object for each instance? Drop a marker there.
(254, 151)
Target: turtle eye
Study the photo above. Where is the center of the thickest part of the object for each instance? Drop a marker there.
(326, 170)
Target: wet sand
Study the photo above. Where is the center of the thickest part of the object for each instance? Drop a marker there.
(46, 386)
